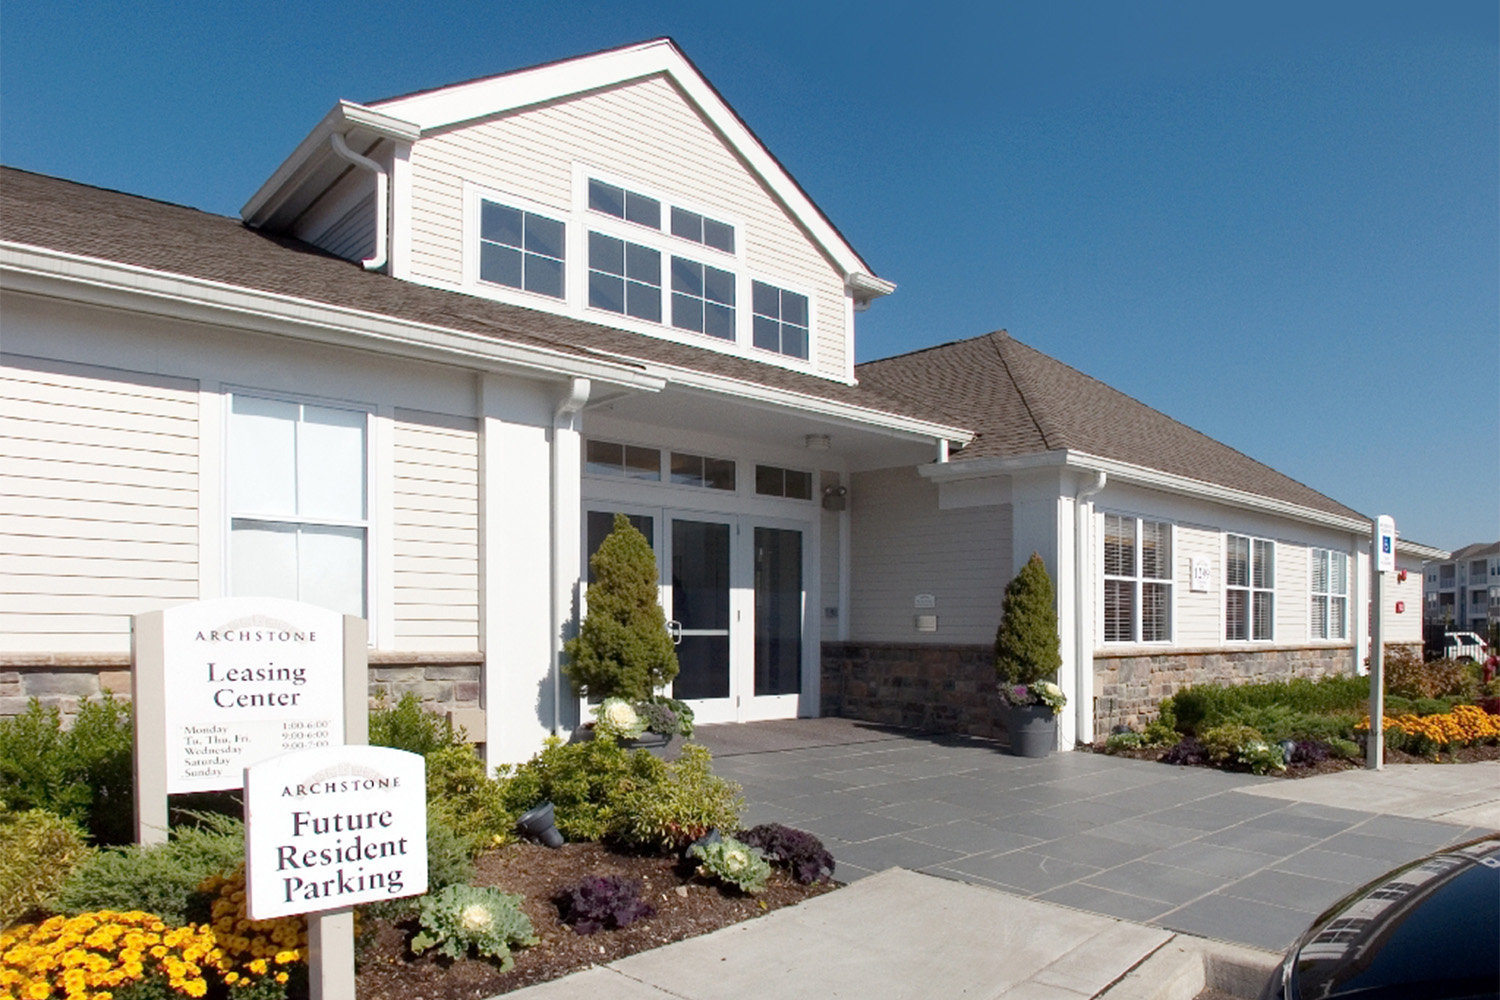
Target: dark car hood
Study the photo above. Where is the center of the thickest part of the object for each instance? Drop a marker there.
(1429, 931)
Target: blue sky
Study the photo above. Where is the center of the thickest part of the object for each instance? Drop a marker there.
(1278, 223)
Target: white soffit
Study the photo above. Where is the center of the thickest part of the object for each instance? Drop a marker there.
(477, 99)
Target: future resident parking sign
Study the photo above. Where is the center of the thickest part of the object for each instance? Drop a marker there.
(334, 827)
(248, 678)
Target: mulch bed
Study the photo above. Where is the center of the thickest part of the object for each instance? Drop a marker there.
(685, 907)
(1463, 755)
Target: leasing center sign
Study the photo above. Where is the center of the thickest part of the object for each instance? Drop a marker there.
(248, 678)
(334, 827)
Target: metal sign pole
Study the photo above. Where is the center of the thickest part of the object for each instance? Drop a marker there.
(330, 933)
(1382, 561)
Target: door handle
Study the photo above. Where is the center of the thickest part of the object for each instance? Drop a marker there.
(674, 629)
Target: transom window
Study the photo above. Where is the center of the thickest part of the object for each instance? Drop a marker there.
(772, 481)
(520, 249)
(624, 277)
(607, 458)
(1137, 580)
(700, 470)
(701, 229)
(780, 319)
(624, 204)
(702, 298)
(1330, 595)
(298, 524)
(1249, 588)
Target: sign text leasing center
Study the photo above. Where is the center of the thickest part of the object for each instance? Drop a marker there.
(247, 679)
(334, 827)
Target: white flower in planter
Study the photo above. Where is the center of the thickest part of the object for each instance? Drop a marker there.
(618, 718)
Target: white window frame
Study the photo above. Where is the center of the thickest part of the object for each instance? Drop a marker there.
(1137, 580)
(368, 523)
(473, 195)
(1322, 631)
(1249, 589)
(749, 321)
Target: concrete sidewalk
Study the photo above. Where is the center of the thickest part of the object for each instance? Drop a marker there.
(895, 935)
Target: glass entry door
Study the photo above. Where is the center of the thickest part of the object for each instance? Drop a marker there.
(735, 599)
(700, 589)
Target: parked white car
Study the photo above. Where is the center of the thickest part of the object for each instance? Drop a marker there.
(1465, 647)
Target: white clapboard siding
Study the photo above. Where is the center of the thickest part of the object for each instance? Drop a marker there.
(435, 534)
(644, 131)
(903, 545)
(98, 502)
(1199, 621)
(1293, 592)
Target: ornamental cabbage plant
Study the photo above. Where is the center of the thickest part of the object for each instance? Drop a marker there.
(459, 917)
(734, 863)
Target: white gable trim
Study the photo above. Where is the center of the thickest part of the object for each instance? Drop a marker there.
(467, 102)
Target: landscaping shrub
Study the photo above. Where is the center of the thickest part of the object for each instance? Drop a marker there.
(1222, 743)
(465, 799)
(802, 853)
(461, 917)
(38, 850)
(732, 863)
(161, 879)
(1027, 647)
(585, 782)
(1187, 752)
(622, 649)
(1408, 676)
(1309, 752)
(1158, 734)
(1346, 749)
(604, 902)
(680, 805)
(1280, 722)
(1123, 741)
(408, 726)
(83, 774)
(1202, 706)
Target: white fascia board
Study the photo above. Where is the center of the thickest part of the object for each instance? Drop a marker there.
(465, 102)
(785, 399)
(1419, 551)
(1139, 475)
(343, 117)
(88, 280)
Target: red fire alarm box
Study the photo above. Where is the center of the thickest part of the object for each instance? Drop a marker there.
(1400, 607)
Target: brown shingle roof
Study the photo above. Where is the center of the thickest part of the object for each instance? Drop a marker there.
(1020, 401)
(93, 222)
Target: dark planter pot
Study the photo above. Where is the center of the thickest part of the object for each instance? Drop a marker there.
(1032, 729)
(655, 743)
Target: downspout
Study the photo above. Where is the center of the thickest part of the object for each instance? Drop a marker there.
(942, 455)
(1083, 640)
(382, 199)
(562, 419)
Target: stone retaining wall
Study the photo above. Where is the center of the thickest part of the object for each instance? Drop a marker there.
(935, 689)
(1127, 689)
(448, 683)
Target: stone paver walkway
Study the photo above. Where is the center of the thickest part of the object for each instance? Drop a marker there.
(1188, 849)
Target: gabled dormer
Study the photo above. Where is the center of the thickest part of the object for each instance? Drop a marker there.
(617, 188)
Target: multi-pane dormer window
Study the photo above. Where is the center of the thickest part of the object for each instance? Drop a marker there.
(640, 259)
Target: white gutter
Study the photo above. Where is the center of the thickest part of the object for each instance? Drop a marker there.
(1083, 640)
(562, 419)
(382, 199)
(1126, 472)
(40, 271)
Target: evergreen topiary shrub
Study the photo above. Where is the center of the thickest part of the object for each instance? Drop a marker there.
(622, 649)
(1027, 646)
(38, 851)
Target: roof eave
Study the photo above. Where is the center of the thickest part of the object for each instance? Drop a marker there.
(1126, 472)
(346, 118)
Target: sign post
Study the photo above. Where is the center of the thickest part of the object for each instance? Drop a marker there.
(1383, 561)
